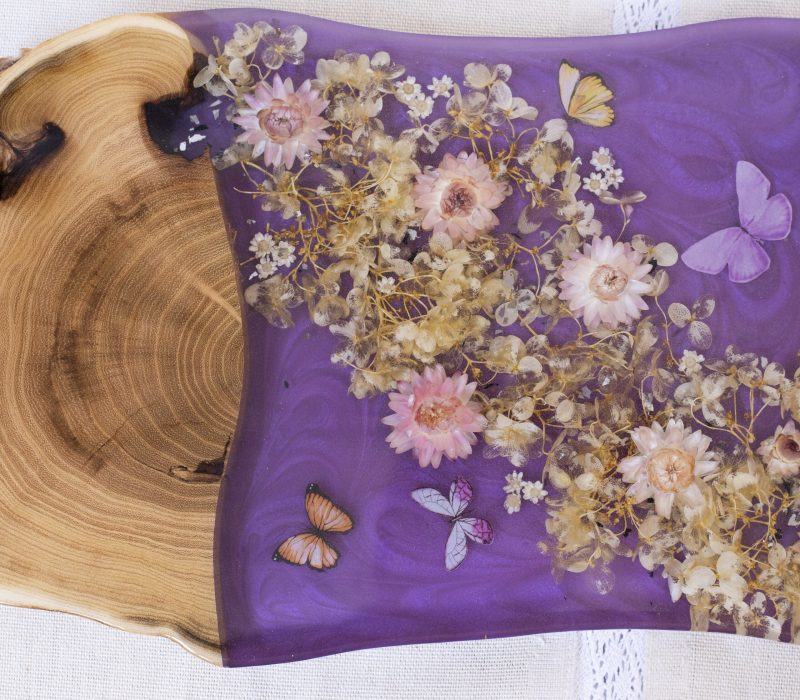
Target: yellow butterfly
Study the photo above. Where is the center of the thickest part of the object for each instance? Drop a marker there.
(585, 98)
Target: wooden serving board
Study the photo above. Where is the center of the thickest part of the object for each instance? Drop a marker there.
(120, 354)
(122, 351)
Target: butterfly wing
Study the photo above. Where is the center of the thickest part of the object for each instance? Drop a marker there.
(475, 529)
(323, 514)
(752, 188)
(434, 501)
(747, 261)
(307, 548)
(568, 77)
(478, 530)
(710, 254)
(764, 217)
(774, 222)
(588, 104)
(460, 495)
(456, 548)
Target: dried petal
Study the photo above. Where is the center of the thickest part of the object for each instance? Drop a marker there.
(273, 298)
(523, 408)
(703, 307)
(679, 314)
(553, 130)
(506, 314)
(565, 411)
(700, 335)
(749, 376)
(530, 364)
(660, 283)
(665, 254)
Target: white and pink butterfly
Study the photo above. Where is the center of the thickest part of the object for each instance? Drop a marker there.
(462, 528)
(761, 218)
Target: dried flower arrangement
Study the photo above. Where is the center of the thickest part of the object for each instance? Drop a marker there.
(542, 338)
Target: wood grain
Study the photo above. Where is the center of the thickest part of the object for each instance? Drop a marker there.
(120, 351)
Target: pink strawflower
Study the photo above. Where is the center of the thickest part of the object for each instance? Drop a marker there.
(781, 452)
(669, 465)
(458, 197)
(433, 416)
(604, 283)
(282, 123)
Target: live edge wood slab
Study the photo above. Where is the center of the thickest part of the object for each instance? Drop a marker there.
(120, 355)
(122, 344)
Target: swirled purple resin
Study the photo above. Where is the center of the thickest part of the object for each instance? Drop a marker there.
(690, 104)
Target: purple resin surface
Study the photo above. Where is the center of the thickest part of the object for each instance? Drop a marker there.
(690, 103)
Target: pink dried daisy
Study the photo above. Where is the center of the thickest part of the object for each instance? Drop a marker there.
(434, 416)
(669, 465)
(604, 283)
(281, 123)
(781, 452)
(458, 197)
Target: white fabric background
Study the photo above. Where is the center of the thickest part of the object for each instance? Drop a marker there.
(51, 655)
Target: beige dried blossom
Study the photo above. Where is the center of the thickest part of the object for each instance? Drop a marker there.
(511, 438)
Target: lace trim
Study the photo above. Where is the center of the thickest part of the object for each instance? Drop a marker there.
(611, 665)
(644, 15)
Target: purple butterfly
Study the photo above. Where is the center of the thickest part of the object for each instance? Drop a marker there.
(761, 218)
(476, 529)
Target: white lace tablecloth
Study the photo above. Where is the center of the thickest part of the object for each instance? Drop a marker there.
(49, 655)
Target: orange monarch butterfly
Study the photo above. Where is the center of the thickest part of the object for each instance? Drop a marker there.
(310, 547)
(585, 98)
